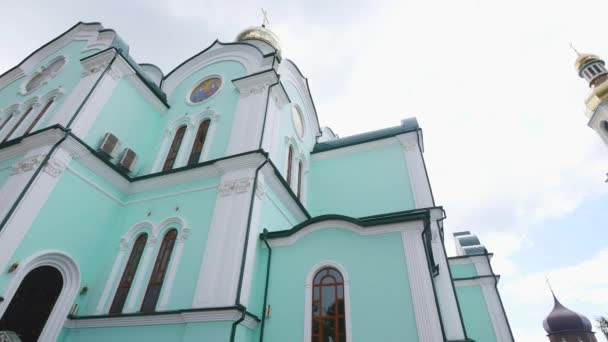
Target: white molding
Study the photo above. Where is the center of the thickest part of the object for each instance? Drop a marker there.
(155, 233)
(82, 31)
(231, 315)
(472, 259)
(423, 298)
(483, 280)
(70, 273)
(341, 224)
(257, 83)
(289, 73)
(22, 88)
(248, 56)
(308, 298)
(196, 84)
(421, 189)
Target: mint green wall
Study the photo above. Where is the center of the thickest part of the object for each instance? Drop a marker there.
(97, 222)
(463, 271)
(475, 313)
(191, 332)
(224, 103)
(361, 184)
(67, 78)
(381, 304)
(136, 123)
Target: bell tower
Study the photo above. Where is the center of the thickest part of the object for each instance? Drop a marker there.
(592, 68)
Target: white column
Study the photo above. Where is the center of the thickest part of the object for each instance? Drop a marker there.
(34, 200)
(249, 114)
(490, 293)
(423, 299)
(221, 265)
(446, 297)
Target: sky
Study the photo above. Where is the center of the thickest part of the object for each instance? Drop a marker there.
(491, 83)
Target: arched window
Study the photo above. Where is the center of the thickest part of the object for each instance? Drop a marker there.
(175, 145)
(159, 271)
(328, 313)
(17, 124)
(289, 160)
(299, 178)
(199, 141)
(124, 286)
(8, 118)
(39, 116)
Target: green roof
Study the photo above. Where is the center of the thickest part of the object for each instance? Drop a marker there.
(407, 125)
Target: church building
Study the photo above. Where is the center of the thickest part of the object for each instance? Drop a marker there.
(207, 204)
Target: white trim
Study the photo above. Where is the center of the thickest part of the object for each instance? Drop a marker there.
(300, 115)
(71, 284)
(22, 87)
(420, 186)
(423, 298)
(308, 298)
(354, 149)
(341, 224)
(173, 318)
(290, 74)
(196, 84)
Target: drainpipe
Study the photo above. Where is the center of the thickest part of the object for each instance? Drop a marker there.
(237, 322)
(432, 269)
(265, 239)
(502, 307)
(31, 181)
(245, 246)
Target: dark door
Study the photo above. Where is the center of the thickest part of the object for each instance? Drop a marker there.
(33, 302)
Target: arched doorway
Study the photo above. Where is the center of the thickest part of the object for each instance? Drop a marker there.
(33, 303)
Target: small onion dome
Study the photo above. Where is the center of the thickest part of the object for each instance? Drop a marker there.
(562, 319)
(263, 34)
(584, 59)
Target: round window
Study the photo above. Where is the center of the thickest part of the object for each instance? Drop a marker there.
(46, 73)
(298, 120)
(204, 90)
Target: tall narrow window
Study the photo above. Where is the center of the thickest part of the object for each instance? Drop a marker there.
(17, 124)
(128, 274)
(175, 145)
(328, 323)
(8, 118)
(289, 158)
(39, 116)
(159, 271)
(199, 141)
(299, 178)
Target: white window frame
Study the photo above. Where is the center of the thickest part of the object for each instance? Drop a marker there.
(308, 298)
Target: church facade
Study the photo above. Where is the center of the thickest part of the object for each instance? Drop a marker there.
(208, 204)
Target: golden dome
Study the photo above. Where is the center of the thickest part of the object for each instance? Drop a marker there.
(584, 59)
(260, 33)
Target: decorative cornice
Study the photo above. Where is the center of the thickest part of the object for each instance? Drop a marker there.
(97, 63)
(235, 186)
(409, 141)
(27, 164)
(255, 84)
(54, 167)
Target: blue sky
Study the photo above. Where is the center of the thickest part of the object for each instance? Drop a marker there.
(492, 84)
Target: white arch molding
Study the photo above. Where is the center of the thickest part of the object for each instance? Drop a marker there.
(308, 298)
(142, 275)
(70, 273)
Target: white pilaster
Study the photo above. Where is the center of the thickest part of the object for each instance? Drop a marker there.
(421, 188)
(425, 308)
(446, 298)
(249, 114)
(221, 265)
(27, 210)
(490, 293)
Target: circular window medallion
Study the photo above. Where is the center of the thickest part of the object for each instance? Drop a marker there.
(204, 90)
(44, 74)
(298, 120)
